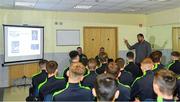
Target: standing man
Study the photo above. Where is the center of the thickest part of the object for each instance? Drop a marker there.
(142, 48)
(83, 57)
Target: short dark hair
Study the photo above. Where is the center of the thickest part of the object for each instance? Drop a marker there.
(175, 54)
(105, 87)
(130, 55)
(79, 47)
(73, 54)
(120, 62)
(51, 67)
(141, 35)
(113, 69)
(156, 56)
(43, 62)
(166, 80)
(110, 60)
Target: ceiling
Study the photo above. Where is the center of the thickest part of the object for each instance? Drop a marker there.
(104, 6)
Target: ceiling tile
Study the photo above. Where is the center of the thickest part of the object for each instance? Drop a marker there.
(46, 4)
(124, 6)
(31, 1)
(6, 2)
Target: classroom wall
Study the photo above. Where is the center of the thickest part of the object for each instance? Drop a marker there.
(160, 38)
(159, 30)
(3, 71)
(128, 25)
(167, 17)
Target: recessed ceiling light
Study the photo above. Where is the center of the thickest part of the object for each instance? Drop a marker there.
(83, 7)
(25, 4)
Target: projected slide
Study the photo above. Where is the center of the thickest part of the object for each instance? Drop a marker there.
(23, 43)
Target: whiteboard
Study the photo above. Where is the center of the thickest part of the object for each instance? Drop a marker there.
(67, 37)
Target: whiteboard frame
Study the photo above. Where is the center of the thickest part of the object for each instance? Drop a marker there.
(78, 44)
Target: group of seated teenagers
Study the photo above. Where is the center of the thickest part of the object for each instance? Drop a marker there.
(103, 79)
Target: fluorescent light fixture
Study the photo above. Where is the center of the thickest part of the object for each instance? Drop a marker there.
(160, 0)
(129, 10)
(25, 4)
(83, 7)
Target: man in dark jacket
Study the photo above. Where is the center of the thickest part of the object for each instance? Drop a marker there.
(142, 48)
(115, 70)
(83, 57)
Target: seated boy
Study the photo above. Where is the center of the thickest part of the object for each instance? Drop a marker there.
(106, 88)
(156, 58)
(74, 91)
(52, 83)
(126, 77)
(74, 57)
(114, 70)
(39, 77)
(132, 67)
(142, 87)
(174, 66)
(164, 85)
(90, 78)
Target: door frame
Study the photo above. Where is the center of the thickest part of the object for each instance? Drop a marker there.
(102, 27)
(173, 36)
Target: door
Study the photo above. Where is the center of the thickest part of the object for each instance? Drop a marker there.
(91, 41)
(96, 37)
(176, 39)
(109, 42)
